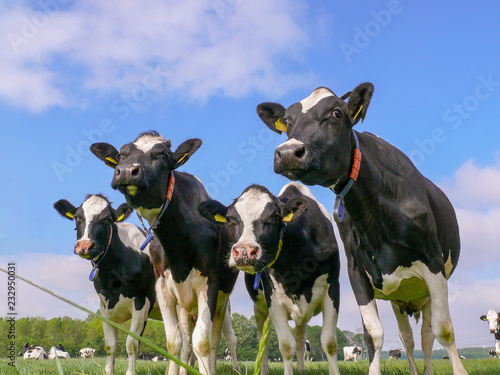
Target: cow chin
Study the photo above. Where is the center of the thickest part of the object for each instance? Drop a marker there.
(249, 268)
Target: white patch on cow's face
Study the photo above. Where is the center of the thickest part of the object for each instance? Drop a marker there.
(250, 207)
(493, 320)
(147, 142)
(314, 98)
(92, 208)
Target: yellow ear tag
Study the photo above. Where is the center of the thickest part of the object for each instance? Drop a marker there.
(70, 215)
(220, 218)
(280, 125)
(111, 160)
(288, 217)
(183, 156)
(120, 218)
(359, 110)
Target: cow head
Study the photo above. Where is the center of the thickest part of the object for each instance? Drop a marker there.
(254, 221)
(25, 348)
(319, 149)
(142, 167)
(93, 221)
(493, 319)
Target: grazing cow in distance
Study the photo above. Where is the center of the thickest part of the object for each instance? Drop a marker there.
(352, 353)
(287, 248)
(227, 355)
(86, 353)
(145, 357)
(399, 230)
(492, 353)
(395, 354)
(199, 279)
(32, 352)
(59, 352)
(307, 351)
(123, 276)
(493, 319)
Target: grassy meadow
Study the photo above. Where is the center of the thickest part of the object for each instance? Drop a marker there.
(96, 367)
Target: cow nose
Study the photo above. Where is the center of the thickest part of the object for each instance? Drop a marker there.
(290, 154)
(245, 252)
(492, 330)
(123, 172)
(83, 247)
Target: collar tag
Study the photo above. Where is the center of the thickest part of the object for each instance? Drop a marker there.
(148, 239)
(94, 272)
(338, 209)
(256, 282)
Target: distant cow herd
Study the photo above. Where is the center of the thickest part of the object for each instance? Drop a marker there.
(399, 232)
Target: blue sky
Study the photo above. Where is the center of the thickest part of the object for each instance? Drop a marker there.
(74, 73)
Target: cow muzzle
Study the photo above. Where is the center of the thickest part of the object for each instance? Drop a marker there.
(83, 248)
(245, 255)
(290, 157)
(128, 178)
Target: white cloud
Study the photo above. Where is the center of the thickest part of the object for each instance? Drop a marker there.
(203, 48)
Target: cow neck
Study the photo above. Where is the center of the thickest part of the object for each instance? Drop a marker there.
(168, 199)
(98, 259)
(258, 275)
(338, 207)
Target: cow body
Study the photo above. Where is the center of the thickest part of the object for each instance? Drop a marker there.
(299, 278)
(198, 279)
(352, 353)
(492, 353)
(399, 230)
(395, 354)
(32, 352)
(58, 352)
(493, 319)
(307, 351)
(86, 353)
(125, 281)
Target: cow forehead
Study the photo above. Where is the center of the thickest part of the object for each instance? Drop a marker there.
(315, 98)
(93, 206)
(251, 204)
(147, 142)
(492, 314)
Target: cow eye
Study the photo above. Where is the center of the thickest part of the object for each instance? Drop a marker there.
(337, 113)
(119, 156)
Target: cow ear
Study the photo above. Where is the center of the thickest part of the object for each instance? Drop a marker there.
(123, 212)
(185, 150)
(293, 209)
(482, 317)
(272, 115)
(106, 152)
(358, 102)
(214, 211)
(346, 95)
(65, 208)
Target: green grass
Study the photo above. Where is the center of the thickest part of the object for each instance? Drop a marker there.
(96, 367)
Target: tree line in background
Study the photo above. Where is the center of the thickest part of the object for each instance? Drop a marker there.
(75, 334)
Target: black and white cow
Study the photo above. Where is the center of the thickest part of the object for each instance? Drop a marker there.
(125, 280)
(492, 353)
(395, 354)
(352, 353)
(59, 352)
(289, 242)
(32, 352)
(200, 281)
(399, 230)
(307, 351)
(493, 319)
(86, 353)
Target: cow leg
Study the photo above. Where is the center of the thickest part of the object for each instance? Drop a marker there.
(261, 315)
(216, 337)
(139, 319)
(300, 340)
(329, 335)
(406, 336)
(168, 310)
(202, 334)
(286, 340)
(187, 332)
(441, 320)
(110, 334)
(374, 335)
(230, 337)
(427, 337)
